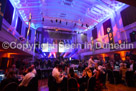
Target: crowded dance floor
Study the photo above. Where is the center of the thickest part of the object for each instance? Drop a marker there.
(67, 45)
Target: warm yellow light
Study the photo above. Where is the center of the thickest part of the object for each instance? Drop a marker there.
(56, 29)
(119, 41)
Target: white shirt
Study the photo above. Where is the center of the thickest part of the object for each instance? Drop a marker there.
(96, 61)
(27, 79)
(34, 71)
(56, 74)
(101, 68)
(90, 63)
(131, 67)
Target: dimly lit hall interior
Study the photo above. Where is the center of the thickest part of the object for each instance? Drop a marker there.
(67, 45)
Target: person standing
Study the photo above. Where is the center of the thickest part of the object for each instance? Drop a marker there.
(91, 63)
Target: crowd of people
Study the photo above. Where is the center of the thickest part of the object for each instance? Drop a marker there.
(93, 68)
(82, 71)
(22, 80)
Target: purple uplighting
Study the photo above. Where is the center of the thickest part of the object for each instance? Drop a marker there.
(67, 45)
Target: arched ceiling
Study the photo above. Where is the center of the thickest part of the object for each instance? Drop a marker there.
(66, 14)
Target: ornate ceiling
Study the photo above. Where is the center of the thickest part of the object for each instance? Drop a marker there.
(71, 15)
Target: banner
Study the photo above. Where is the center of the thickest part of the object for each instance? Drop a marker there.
(110, 35)
(92, 44)
(108, 30)
(29, 25)
(2, 10)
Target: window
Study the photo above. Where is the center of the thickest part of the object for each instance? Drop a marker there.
(128, 15)
(106, 25)
(94, 33)
(26, 32)
(19, 26)
(8, 12)
(3, 7)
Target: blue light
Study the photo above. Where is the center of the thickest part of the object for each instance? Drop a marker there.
(15, 1)
(32, 25)
(98, 10)
(108, 12)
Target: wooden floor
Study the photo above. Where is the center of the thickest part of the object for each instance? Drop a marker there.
(118, 87)
(43, 86)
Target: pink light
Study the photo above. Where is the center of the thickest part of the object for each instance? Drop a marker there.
(50, 54)
(54, 55)
(65, 54)
(120, 22)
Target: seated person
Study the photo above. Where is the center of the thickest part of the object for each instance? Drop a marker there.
(87, 73)
(80, 68)
(102, 69)
(67, 67)
(123, 70)
(109, 66)
(11, 77)
(27, 78)
(72, 74)
(57, 75)
(33, 69)
(131, 65)
(97, 76)
(14, 69)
